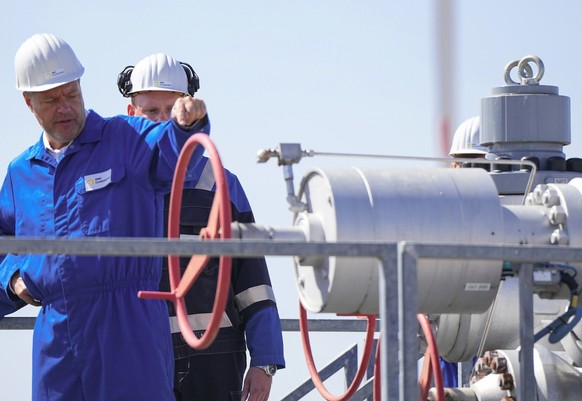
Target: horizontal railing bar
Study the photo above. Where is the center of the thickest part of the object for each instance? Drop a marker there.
(122, 246)
(516, 253)
(331, 325)
(17, 323)
(288, 325)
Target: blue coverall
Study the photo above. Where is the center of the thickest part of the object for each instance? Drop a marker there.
(7, 306)
(216, 373)
(93, 338)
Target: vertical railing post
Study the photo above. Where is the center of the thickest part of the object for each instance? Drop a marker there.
(407, 310)
(389, 346)
(526, 389)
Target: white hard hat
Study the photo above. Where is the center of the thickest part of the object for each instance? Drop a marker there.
(466, 140)
(45, 61)
(158, 72)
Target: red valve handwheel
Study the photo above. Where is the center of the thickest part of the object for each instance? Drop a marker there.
(219, 222)
(368, 346)
(431, 364)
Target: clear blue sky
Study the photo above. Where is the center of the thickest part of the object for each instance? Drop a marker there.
(333, 75)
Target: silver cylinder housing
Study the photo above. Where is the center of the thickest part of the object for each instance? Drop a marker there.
(428, 205)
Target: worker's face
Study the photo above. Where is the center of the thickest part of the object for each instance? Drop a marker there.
(155, 106)
(59, 111)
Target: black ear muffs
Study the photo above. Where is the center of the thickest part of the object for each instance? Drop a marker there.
(124, 81)
(193, 80)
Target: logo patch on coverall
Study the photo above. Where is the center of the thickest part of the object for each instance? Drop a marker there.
(97, 181)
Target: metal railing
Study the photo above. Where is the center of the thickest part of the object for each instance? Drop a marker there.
(346, 361)
(398, 263)
(290, 325)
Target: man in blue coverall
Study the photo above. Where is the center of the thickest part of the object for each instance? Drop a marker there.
(215, 373)
(90, 176)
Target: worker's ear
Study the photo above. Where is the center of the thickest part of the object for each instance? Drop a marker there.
(130, 110)
(28, 99)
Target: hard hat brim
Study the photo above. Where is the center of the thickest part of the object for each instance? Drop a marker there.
(468, 152)
(154, 89)
(52, 85)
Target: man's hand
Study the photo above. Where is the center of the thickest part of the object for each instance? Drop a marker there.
(257, 385)
(19, 288)
(187, 110)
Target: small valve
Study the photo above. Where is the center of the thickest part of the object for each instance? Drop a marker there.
(287, 153)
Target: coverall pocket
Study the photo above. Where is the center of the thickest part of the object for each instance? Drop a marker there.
(98, 199)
